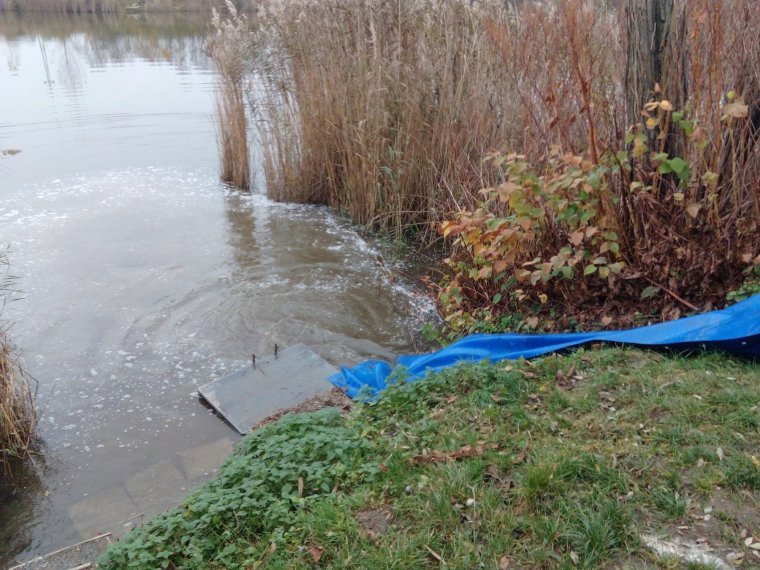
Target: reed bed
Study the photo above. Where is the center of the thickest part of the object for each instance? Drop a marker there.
(385, 110)
(229, 48)
(18, 418)
(17, 414)
(380, 109)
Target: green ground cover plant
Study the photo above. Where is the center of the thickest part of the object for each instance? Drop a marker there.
(562, 462)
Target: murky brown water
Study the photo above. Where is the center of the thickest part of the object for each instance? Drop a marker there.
(142, 276)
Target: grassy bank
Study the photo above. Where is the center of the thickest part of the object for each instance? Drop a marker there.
(565, 462)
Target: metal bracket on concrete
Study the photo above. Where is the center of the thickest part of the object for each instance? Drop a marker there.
(267, 385)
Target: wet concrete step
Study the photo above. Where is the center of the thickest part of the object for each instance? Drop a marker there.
(248, 396)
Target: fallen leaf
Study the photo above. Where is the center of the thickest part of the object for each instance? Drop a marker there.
(736, 110)
(504, 563)
(494, 473)
(463, 452)
(719, 453)
(496, 398)
(576, 238)
(693, 210)
(451, 399)
(300, 486)
(316, 553)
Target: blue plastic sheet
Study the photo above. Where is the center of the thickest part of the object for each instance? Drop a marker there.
(735, 330)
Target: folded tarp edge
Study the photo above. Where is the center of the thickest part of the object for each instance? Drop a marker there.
(735, 330)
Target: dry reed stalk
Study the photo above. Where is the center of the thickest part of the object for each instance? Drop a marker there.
(18, 418)
(17, 414)
(229, 48)
(385, 110)
(232, 137)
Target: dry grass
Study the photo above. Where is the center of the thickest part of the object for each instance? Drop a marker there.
(229, 49)
(17, 414)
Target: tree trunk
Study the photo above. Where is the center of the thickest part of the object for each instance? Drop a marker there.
(656, 55)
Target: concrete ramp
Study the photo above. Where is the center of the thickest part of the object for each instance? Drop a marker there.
(248, 396)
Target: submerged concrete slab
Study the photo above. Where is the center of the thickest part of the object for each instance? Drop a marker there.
(103, 511)
(157, 488)
(205, 459)
(248, 396)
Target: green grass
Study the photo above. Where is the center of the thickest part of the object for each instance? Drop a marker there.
(560, 478)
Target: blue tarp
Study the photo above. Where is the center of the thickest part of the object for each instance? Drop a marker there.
(735, 330)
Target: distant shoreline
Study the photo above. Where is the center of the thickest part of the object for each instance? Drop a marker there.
(115, 6)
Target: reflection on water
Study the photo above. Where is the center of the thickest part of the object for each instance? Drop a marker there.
(142, 275)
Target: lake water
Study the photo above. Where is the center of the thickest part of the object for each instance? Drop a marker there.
(141, 276)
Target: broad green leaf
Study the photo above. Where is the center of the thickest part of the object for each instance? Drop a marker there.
(650, 292)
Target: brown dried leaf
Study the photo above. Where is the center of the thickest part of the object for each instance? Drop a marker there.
(737, 110)
(466, 451)
(693, 210)
(576, 238)
(316, 553)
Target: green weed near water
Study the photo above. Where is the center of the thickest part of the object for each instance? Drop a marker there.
(560, 463)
